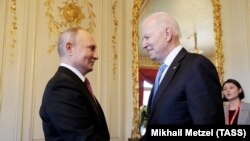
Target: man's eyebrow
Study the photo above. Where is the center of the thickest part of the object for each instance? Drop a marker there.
(92, 46)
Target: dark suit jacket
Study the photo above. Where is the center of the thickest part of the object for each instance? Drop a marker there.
(68, 111)
(190, 93)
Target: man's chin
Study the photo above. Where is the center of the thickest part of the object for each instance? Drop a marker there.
(152, 58)
(90, 68)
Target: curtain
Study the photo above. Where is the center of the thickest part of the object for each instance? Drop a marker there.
(145, 74)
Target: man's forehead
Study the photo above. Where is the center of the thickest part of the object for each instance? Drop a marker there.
(85, 36)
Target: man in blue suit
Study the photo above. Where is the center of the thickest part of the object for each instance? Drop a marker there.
(69, 110)
(189, 90)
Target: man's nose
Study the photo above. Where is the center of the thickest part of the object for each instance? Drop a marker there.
(95, 55)
(144, 44)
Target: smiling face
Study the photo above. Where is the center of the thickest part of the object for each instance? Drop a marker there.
(154, 41)
(79, 51)
(160, 35)
(85, 53)
(231, 91)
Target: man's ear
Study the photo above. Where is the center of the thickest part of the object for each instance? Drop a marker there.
(168, 34)
(69, 48)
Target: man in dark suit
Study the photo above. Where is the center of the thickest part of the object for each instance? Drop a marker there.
(189, 90)
(69, 110)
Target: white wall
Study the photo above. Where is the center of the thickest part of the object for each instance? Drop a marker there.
(236, 41)
(26, 67)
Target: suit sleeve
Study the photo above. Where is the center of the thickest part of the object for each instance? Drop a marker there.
(204, 93)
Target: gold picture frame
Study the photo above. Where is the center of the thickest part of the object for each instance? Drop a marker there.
(219, 56)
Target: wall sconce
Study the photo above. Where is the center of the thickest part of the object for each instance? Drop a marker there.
(196, 50)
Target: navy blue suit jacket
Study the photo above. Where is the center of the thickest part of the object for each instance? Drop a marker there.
(69, 112)
(190, 93)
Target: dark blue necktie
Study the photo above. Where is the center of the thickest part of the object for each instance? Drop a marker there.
(158, 78)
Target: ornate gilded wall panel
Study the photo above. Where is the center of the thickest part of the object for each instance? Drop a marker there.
(8, 34)
(66, 14)
(114, 37)
(13, 24)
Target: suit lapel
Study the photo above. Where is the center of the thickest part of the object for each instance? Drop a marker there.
(92, 99)
(166, 80)
(84, 89)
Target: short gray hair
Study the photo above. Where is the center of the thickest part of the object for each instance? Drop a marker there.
(162, 19)
(68, 35)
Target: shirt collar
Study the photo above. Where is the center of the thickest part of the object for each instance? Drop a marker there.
(172, 55)
(74, 70)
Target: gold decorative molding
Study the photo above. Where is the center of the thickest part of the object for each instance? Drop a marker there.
(218, 50)
(13, 30)
(145, 62)
(114, 35)
(136, 13)
(70, 14)
(219, 60)
(13, 24)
